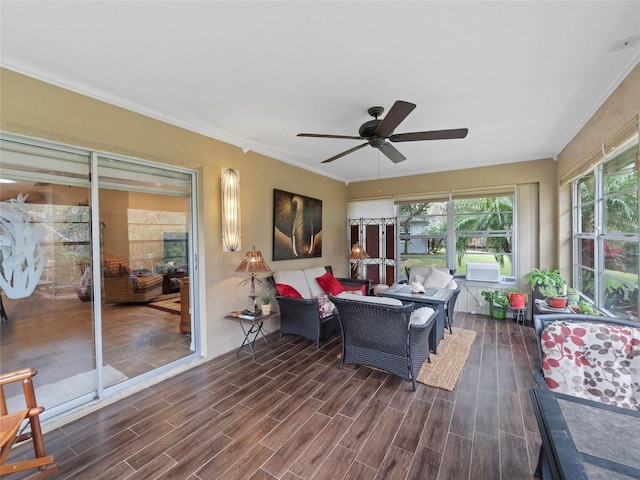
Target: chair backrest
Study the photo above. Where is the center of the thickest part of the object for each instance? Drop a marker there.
(12, 423)
(591, 357)
(541, 321)
(368, 322)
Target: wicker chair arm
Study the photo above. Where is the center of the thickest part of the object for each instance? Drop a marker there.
(302, 309)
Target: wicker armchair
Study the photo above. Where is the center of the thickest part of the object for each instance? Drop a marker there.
(383, 336)
(301, 316)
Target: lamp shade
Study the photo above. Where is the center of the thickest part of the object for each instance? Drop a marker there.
(253, 262)
(358, 252)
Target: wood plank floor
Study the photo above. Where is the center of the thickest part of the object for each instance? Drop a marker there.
(293, 414)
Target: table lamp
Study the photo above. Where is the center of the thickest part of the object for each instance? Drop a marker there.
(358, 254)
(252, 263)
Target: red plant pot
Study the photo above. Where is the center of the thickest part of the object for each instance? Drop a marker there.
(517, 300)
(557, 302)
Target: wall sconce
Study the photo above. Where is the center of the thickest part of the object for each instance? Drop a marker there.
(230, 210)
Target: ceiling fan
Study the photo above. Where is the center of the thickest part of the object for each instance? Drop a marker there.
(376, 132)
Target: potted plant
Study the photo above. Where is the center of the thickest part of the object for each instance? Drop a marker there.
(498, 303)
(556, 296)
(517, 298)
(538, 279)
(547, 276)
(573, 296)
(267, 297)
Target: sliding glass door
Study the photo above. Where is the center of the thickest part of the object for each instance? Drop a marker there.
(91, 273)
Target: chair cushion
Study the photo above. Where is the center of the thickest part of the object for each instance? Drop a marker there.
(597, 361)
(326, 307)
(145, 282)
(115, 265)
(421, 315)
(287, 291)
(418, 271)
(437, 279)
(329, 284)
(380, 300)
(311, 274)
(295, 279)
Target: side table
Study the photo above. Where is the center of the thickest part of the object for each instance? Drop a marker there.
(254, 331)
(519, 315)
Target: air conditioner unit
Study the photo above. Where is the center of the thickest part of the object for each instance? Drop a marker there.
(483, 272)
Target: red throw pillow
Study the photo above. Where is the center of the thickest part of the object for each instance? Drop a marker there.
(287, 291)
(329, 284)
(358, 290)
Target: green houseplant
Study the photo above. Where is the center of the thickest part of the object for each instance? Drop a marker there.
(538, 279)
(498, 303)
(267, 297)
(555, 295)
(548, 276)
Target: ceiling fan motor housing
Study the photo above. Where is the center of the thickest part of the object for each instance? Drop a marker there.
(368, 129)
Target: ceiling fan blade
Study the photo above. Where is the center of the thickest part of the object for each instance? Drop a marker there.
(345, 153)
(321, 135)
(392, 152)
(396, 115)
(432, 135)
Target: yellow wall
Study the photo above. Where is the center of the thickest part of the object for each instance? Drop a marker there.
(37, 109)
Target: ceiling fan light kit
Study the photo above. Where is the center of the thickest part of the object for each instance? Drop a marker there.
(376, 132)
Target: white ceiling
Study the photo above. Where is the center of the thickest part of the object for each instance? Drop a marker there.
(522, 76)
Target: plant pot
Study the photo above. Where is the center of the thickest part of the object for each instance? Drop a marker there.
(266, 309)
(499, 312)
(517, 300)
(573, 297)
(557, 302)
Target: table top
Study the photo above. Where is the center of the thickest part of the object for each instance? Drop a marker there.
(259, 318)
(430, 295)
(584, 439)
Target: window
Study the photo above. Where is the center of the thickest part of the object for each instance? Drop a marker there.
(484, 232)
(452, 233)
(423, 234)
(605, 204)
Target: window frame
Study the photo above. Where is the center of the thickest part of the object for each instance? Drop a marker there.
(599, 236)
(452, 233)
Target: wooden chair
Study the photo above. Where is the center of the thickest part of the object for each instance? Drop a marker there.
(12, 428)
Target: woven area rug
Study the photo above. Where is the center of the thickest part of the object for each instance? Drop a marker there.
(171, 305)
(445, 367)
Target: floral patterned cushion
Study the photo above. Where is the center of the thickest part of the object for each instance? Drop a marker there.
(596, 361)
(325, 306)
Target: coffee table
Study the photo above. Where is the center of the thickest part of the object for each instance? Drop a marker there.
(436, 298)
(583, 439)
